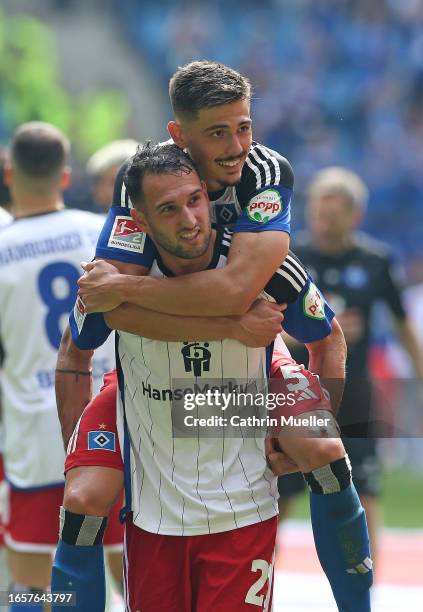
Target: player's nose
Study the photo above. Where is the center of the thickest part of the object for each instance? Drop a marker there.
(188, 218)
(236, 149)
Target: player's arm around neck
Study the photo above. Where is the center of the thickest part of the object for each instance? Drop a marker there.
(253, 259)
(327, 360)
(256, 328)
(168, 328)
(73, 383)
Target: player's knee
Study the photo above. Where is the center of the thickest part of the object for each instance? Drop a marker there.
(92, 490)
(314, 453)
(89, 500)
(323, 451)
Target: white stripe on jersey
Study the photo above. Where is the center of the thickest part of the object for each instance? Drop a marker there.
(125, 200)
(288, 277)
(256, 171)
(273, 160)
(301, 277)
(296, 265)
(262, 163)
(256, 163)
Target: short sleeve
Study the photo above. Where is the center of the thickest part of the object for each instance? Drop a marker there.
(309, 317)
(265, 192)
(89, 331)
(121, 239)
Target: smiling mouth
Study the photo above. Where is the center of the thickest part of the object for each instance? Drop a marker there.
(190, 235)
(230, 163)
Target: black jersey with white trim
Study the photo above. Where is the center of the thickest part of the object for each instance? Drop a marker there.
(354, 282)
(259, 202)
(308, 317)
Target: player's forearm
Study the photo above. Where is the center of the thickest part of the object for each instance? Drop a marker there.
(213, 293)
(231, 290)
(220, 292)
(170, 328)
(73, 383)
(327, 359)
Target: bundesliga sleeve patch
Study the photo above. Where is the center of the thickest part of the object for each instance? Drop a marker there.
(313, 303)
(79, 313)
(101, 440)
(265, 206)
(126, 235)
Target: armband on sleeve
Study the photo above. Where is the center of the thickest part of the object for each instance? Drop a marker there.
(89, 331)
(309, 317)
(267, 210)
(122, 240)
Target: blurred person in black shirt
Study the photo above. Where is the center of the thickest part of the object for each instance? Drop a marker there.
(354, 271)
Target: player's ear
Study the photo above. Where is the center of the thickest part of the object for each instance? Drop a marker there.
(176, 133)
(204, 188)
(65, 181)
(139, 219)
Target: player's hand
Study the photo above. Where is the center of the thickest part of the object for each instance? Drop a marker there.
(98, 286)
(278, 461)
(261, 324)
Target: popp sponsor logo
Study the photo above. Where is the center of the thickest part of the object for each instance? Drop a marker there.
(265, 206)
(313, 303)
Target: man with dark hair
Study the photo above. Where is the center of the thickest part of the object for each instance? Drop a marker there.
(39, 151)
(157, 163)
(250, 188)
(197, 500)
(40, 253)
(204, 84)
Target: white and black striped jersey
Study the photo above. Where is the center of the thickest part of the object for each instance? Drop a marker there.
(261, 201)
(194, 485)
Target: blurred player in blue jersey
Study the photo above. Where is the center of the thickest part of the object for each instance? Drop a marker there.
(250, 187)
(40, 253)
(356, 272)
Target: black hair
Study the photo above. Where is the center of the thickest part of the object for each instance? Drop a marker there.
(204, 84)
(39, 150)
(158, 159)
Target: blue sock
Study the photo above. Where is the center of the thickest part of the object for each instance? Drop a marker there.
(80, 569)
(340, 535)
(78, 564)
